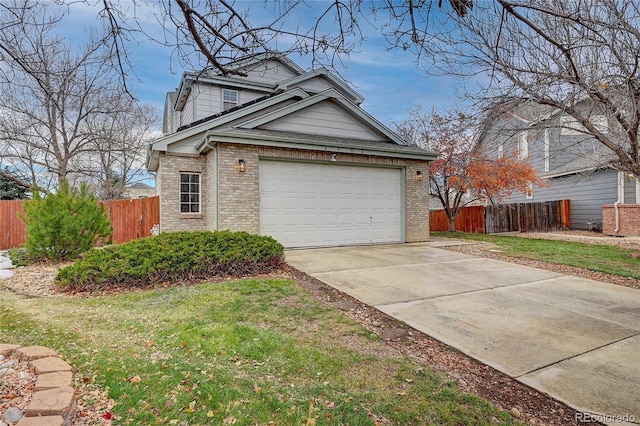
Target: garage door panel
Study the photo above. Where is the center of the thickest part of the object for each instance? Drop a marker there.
(313, 204)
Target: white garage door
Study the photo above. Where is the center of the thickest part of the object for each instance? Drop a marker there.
(313, 205)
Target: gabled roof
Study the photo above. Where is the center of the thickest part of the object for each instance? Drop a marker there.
(325, 73)
(334, 95)
(225, 117)
(283, 139)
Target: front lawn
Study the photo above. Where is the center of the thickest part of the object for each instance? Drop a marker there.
(260, 351)
(594, 257)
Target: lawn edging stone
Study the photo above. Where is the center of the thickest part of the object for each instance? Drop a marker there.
(53, 402)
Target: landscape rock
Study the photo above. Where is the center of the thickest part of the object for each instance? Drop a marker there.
(12, 415)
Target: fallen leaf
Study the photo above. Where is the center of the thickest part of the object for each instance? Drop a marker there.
(256, 388)
(136, 379)
(311, 421)
(210, 413)
(230, 420)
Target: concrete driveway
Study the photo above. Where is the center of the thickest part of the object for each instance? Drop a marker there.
(576, 339)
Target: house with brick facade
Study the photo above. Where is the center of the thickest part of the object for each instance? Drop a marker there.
(573, 165)
(277, 150)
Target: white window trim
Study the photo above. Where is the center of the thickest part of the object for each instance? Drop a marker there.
(546, 150)
(523, 146)
(199, 193)
(223, 101)
(501, 151)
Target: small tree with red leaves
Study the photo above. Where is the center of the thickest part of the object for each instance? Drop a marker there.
(462, 174)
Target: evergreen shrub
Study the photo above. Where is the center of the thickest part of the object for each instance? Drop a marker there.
(172, 257)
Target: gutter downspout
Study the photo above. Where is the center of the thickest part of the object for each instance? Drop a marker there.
(620, 200)
(214, 148)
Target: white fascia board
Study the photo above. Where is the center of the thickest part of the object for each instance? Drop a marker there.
(572, 172)
(322, 96)
(211, 138)
(182, 93)
(152, 160)
(234, 82)
(355, 96)
(162, 143)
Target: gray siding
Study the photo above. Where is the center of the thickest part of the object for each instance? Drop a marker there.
(316, 84)
(324, 118)
(269, 72)
(587, 192)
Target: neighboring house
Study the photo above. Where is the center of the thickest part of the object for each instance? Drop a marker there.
(286, 153)
(574, 166)
(138, 190)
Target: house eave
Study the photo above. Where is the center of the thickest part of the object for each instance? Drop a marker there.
(212, 138)
(572, 172)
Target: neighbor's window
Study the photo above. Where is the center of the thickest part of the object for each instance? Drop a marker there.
(523, 146)
(189, 193)
(229, 99)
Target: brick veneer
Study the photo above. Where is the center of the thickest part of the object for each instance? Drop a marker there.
(238, 196)
(628, 220)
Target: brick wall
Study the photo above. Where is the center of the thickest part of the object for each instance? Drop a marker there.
(628, 220)
(169, 177)
(238, 193)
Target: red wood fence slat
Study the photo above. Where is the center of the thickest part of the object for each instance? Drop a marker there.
(131, 219)
(469, 219)
(12, 232)
(515, 217)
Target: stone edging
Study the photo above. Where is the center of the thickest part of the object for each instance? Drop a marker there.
(53, 403)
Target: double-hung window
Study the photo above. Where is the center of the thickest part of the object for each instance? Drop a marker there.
(189, 192)
(229, 99)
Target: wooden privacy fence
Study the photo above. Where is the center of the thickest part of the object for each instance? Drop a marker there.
(514, 217)
(131, 219)
(469, 219)
(12, 232)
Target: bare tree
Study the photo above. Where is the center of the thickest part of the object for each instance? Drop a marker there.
(578, 57)
(463, 174)
(120, 140)
(53, 94)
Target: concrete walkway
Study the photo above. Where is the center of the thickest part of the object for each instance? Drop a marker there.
(5, 265)
(575, 339)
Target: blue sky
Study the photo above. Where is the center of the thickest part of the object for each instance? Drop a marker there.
(390, 81)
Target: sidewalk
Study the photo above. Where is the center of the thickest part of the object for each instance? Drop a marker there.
(5, 265)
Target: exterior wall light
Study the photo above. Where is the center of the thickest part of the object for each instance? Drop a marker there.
(242, 166)
(631, 177)
(419, 175)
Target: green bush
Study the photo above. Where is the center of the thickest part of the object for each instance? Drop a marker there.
(172, 256)
(64, 224)
(20, 256)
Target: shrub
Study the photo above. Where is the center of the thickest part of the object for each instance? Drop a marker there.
(20, 256)
(64, 224)
(172, 256)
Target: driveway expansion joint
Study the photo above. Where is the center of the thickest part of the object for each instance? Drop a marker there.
(588, 351)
